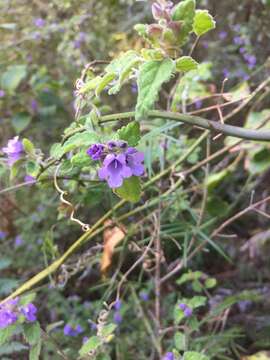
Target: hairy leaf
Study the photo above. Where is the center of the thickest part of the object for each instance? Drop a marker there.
(91, 344)
(186, 63)
(130, 190)
(130, 133)
(203, 22)
(185, 13)
(151, 77)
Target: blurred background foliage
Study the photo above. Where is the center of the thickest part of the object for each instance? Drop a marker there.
(44, 47)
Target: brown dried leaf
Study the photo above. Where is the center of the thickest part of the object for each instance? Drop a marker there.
(111, 237)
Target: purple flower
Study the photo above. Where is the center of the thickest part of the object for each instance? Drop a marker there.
(186, 309)
(39, 22)
(226, 73)
(242, 50)
(144, 295)
(18, 241)
(236, 27)
(34, 105)
(134, 88)
(72, 331)
(251, 60)
(96, 151)
(29, 311)
(85, 338)
(134, 161)
(117, 305)
(188, 312)
(8, 314)
(238, 40)
(198, 104)
(3, 234)
(222, 35)
(168, 356)
(115, 170)
(117, 317)
(13, 150)
(29, 179)
(2, 93)
(7, 317)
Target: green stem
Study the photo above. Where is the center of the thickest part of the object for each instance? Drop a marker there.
(215, 126)
(98, 227)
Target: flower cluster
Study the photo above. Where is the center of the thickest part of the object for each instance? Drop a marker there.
(11, 310)
(13, 150)
(119, 161)
(186, 309)
(70, 330)
(168, 356)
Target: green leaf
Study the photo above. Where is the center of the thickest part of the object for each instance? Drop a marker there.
(28, 298)
(210, 283)
(81, 159)
(32, 332)
(190, 276)
(130, 190)
(186, 63)
(107, 330)
(6, 333)
(193, 355)
(152, 75)
(35, 351)
(20, 121)
(214, 180)
(11, 348)
(179, 341)
(32, 168)
(203, 22)
(122, 67)
(11, 79)
(185, 13)
(4, 263)
(28, 146)
(84, 139)
(105, 80)
(197, 301)
(130, 133)
(91, 344)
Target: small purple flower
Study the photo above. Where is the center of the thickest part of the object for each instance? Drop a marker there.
(186, 309)
(198, 104)
(205, 44)
(238, 40)
(3, 234)
(18, 241)
(29, 179)
(2, 93)
(93, 326)
(222, 35)
(79, 329)
(95, 151)
(156, 11)
(242, 50)
(115, 170)
(117, 305)
(29, 311)
(226, 73)
(144, 296)
(13, 150)
(39, 22)
(117, 317)
(134, 161)
(72, 331)
(34, 105)
(7, 317)
(251, 60)
(134, 88)
(168, 356)
(85, 339)
(188, 312)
